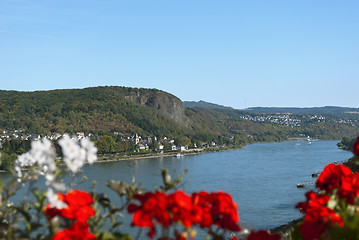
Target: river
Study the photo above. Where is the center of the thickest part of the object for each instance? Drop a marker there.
(261, 178)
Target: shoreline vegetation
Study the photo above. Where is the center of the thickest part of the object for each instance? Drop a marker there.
(129, 156)
(137, 156)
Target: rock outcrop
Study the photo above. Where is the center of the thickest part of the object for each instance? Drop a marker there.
(166, 103)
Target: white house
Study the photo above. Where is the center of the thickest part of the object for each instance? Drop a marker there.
(160, 146)
(182, 148)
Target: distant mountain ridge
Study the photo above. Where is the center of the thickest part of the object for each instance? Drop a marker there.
(203, 104)
(292, 110)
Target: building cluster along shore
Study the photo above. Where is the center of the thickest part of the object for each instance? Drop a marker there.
(141, 144)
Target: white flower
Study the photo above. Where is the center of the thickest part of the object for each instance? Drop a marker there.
(54, 200)
(25, 160)
(74, 155)
(41, 153)
(91, 150)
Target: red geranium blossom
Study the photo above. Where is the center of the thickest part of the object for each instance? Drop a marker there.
(78, 206)
(349, 188)
(179, 205)
(313, 201)
(201, 209)
(78, 231)
(215, 208)
(224, 211)
(152, 207)
(332, 176)
(317, 216)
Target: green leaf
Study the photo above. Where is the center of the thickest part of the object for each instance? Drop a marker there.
(24, 213)
(114, 236)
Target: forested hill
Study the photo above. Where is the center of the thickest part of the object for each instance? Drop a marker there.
(92, 109)
(152, 112)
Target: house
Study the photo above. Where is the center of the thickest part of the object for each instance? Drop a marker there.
(181, 148)
(80, 135)
(140, 146)
(35, 137)
(173, 147)
(160, 146)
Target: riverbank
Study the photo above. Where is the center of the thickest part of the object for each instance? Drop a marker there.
(119, 157)
(138, 156)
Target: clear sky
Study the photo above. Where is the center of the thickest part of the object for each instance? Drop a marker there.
(294, 53)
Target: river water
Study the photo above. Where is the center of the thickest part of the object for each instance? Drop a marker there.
(261, 178)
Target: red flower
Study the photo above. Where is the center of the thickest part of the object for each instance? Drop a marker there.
(78, 231)
(78, 206)
(332, 176)
(224, 211)
(152, 207)
(179, 205)
(313, 201)
(356, 147)
(318, 217)
(201, 209)
(263, 235)
(349, 188)
(217, 208)
(311, 230)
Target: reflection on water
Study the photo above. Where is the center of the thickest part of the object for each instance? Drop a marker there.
(261, 178)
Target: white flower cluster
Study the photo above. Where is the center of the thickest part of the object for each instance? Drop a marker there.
(76, 154)
(43, 154)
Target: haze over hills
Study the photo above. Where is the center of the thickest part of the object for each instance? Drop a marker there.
(292, 110)
(152, 112)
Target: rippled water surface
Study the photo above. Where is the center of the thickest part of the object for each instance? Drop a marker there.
(261, 178)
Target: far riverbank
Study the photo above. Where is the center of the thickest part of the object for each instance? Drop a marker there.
(138, 156)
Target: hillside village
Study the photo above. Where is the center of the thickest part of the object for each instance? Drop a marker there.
(295, 121)
(141, 144)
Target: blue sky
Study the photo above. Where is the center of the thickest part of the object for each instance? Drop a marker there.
(294, 53)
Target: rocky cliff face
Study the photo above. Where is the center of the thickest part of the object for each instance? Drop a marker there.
(166, 103)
